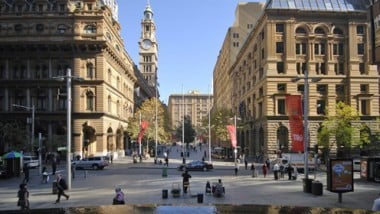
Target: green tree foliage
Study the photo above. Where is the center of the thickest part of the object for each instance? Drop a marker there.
(14, 136)
(218, 121)
(339, 127)
(188, 129)
(148, 113)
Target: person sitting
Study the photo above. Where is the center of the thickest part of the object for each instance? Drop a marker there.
(208, 188)
(119, 197)
(219, 189)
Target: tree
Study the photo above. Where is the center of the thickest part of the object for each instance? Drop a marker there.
(13, 137)
(218, 121)
(148, 113)
(339, 128)
(188, 129)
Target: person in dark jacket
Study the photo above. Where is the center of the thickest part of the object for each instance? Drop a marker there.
(61, 186)
(185, 181)
(26, 174)
(23, 197)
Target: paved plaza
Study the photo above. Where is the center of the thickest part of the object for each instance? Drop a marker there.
(143, 183)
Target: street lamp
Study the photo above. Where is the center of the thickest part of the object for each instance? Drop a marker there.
(68, 78)
(306, 119)
(33, 113)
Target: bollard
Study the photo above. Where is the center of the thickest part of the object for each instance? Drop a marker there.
(164, 171)
(200, 198)
(164, 194)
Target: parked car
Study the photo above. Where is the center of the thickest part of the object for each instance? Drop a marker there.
(95, 162)
(196, 166)
(31, 161)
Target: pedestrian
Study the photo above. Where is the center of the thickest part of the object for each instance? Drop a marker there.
(185, 181)
(61, 186)
(119, 197)
(290, 172)
(376, 205)
(246, 163)
(276, 168)
(26, 174)
(73, 171)
(282, 171)
(54, 165)
(264, 168)
(45, 176)
(267, 162)
(23, 197)
(111, 158)
(205, 154)
(253, 170)
(208, 188)
(167, 161)
(236, 168)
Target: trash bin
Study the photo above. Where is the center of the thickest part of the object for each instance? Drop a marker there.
(316, 188)
(54, 188)
(200, 198)
(164, 194)
(164, 171)
(307, 185)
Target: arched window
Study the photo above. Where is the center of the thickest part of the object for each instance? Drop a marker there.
(109, 103)
(90, 70)
(300, 30)
(89, 101)
(319, 30)
(89, 29)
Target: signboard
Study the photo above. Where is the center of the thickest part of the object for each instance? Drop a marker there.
(341, 175)
(363, 169)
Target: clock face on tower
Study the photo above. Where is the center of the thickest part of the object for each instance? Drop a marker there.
(146, 44)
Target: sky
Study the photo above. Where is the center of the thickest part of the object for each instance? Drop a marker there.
(189, 33)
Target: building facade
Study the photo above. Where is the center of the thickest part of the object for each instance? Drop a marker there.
(40, 41)
(193, 104)
(327, 39)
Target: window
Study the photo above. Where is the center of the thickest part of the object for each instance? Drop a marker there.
(39, 28)
(90, 70)
(262, 53)
(18, 28)
(339, 68)
(262, 35)
(41, 100)
(319, 49)
(261, 92)
(300, 88)
(321, 107)
(90, 29)
(338, 49)
(301, 48)
(280, 68)
(362, 68)
(360, 30)
(364, 107)
(281, 107)
(61, 28)
(322, 89)
(300, 30)
(364, 88)
(301, 68)
(89, 101)
(235, 35)
(320, 68)
(280, 28)
(361, 49)
(319, 30)
(281, 87)
(279, 47)
(337, 31)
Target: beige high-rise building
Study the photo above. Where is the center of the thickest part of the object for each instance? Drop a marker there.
(246, 16)
(41, 40)
(192, 104)
(327, 39)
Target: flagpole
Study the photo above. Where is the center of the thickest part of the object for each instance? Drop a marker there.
(140, 140)
(209, 126)
(183, 127)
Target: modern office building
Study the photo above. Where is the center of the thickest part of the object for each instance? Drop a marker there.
(39, 42)
(329, 41)
(192, 104)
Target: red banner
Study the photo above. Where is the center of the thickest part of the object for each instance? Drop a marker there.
(232, 131)
(143, 127)
(294, 110)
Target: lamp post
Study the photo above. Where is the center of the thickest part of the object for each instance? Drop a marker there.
(33, 119)
(209, 127)
(68, 78)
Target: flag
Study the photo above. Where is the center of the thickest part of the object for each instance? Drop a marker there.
(143, 127)
(232, 131)
(294, 111)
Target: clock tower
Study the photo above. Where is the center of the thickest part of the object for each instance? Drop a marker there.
(148, 48)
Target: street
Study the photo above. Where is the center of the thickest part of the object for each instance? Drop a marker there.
(143, 183)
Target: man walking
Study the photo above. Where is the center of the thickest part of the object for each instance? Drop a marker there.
(185, 181)
(61, 186)
(26, 174)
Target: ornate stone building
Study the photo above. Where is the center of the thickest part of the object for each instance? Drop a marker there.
(327, 39)
(40, 40)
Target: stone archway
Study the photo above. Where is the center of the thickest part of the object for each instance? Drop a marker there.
(282, 140)
(119, 139)
(110, 145)
(88, 138)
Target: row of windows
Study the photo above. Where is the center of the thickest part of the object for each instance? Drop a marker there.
(40, 28)
(280, 28)
(320, 68)
(319, 48)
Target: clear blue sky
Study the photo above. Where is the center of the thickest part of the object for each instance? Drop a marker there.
(189, 33)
